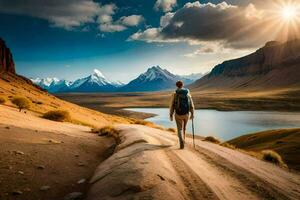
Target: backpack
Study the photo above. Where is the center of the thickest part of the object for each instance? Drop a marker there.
(182, 102)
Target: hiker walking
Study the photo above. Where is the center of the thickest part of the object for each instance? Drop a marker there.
(183, 106)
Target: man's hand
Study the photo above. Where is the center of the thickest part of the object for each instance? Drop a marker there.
(192, 116)
(171, 117)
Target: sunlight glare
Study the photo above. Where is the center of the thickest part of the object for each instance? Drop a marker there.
(289, 13)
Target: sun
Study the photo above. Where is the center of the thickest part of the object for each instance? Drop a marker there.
(289, 12)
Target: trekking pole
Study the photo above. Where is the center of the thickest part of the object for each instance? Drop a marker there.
(193, 129)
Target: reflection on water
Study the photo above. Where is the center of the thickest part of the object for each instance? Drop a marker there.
(227, 125)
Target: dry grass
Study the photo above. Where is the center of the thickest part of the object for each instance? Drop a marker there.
(286, 142)
(58, 115)
(2, 100)
(21, 102)
(227, 145)
(212, 139)
(171, 130)
(141, 122)
(273, 157)
(108, 131)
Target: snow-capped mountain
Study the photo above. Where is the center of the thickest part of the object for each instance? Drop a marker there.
(96, 82)
(51, 84)
(154, 79)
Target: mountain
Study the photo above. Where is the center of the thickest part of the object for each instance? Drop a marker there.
(96, 82)
(154, 79)
(52, 84)
(6, 60)
(276, 65)
(193, 76)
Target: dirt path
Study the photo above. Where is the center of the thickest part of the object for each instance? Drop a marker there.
(211, 171)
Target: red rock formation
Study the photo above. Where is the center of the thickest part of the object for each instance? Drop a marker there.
(6, 60)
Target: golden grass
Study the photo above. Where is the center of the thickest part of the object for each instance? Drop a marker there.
(21, 102)
(2, 100)
(212, 139)
(58, 115)
(227, 145)
(273, 157)
(286, 142)
(108, 131)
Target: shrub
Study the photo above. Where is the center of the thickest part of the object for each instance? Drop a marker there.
(227, 145)
(21, 102)
(2, 100)
(273, 157)
(57, 115)
(212, 139)
(108, 131)
(141, 122)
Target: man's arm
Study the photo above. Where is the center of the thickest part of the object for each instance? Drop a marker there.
(192, 107)
(172, 108)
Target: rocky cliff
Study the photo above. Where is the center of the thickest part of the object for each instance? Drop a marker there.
(6, 60)
(274, 65)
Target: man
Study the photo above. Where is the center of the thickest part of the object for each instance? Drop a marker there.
(183, 105)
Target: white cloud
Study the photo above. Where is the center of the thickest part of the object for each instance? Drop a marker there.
(132, 20)
(165, 5)
(108, 27)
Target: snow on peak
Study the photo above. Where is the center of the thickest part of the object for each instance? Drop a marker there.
(98, 73)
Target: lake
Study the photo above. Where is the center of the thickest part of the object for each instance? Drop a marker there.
(227, 124)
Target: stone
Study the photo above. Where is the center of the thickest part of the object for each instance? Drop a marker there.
(17, 192)
(19, 152)
(45, 188)
(74, 196)
(81, 181)
(41, 167)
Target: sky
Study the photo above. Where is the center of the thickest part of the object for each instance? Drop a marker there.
(67, 39)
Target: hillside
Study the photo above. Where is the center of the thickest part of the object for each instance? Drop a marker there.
(13, 85)
(276, 65)
(286, 142)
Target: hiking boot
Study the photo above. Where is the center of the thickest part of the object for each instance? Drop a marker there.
(181, 145)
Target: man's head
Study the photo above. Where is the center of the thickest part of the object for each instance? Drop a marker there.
(179, 84)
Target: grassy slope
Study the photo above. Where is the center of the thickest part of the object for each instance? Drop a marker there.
(42, 102)
(286, 142)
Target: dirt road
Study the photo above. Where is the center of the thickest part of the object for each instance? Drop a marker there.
(148, 164)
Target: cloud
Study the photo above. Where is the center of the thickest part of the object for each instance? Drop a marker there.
(165, 5)
(233, 26)
(60, 13)
(71, 14)
(108, 27)
(121, 24)
(132, 20)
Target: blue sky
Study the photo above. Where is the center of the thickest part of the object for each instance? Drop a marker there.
(69, 38)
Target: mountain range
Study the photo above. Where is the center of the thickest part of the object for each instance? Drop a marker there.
(154, 79)
(276, 65)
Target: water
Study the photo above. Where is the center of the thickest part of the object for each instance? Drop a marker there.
(228, 124)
